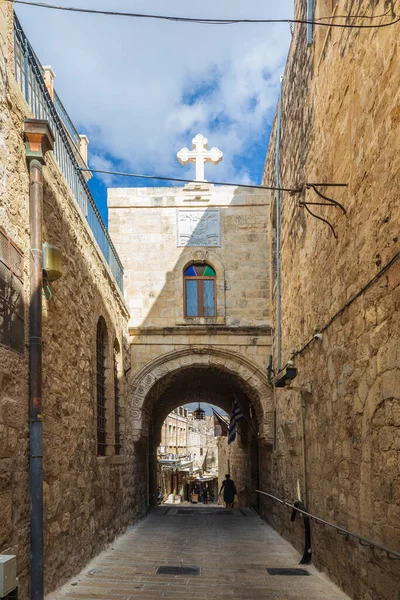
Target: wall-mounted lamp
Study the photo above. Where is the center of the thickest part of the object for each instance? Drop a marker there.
(52, 263)
(285, 376)
(52, 268)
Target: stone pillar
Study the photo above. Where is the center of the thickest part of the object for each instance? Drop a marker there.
(83, 147)
(49, 77)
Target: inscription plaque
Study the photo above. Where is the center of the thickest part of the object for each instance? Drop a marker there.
(199, 227)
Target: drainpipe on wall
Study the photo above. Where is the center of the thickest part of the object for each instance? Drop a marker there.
(278, 257)
(38, 140)
(278, 231)
(303, 446)
(310, 16)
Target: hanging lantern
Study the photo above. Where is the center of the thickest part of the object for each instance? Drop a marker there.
(199, 414)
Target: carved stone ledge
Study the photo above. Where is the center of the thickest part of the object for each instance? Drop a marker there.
(206, 329)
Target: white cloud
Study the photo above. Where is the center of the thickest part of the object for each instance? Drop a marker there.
(124, 80)
(101, 163)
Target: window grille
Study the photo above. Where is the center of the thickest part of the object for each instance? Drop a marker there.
(12, 310)
(117, 413)
(101, 386)
(199, 290)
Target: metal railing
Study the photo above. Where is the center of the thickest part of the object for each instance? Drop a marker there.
(66, 119)
(29, 76)
(340, 530)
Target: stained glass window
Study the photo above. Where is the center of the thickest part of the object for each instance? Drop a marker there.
(199, 282)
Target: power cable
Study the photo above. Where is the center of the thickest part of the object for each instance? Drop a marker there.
(375, 278)
(179, 179)
(204, 21)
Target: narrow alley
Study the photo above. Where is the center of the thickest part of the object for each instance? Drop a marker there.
(229, 552)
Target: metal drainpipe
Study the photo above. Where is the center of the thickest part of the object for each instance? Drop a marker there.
(303, 448)
(35, 387)
(39, 139)
(278, 231)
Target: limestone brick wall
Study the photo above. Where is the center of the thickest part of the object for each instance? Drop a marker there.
(88, 499)
(143, 225)
(237, 461)
(201, 442)
(340, 107)
(146, 346)
(14, 499)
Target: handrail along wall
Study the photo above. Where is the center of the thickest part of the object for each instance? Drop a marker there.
(29, 76)
(340, 530)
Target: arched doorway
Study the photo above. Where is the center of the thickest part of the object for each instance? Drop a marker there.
(207, 375)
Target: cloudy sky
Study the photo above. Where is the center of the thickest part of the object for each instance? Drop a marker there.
(141, 90)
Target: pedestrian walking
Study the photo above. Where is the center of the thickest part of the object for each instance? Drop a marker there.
(205, 495)
(228, 485)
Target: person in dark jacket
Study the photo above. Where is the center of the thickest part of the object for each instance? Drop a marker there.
(229, 491)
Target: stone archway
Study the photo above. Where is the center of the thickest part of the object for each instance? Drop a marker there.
(154, 397)
(152, 380)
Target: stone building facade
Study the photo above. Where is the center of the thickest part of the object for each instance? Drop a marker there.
(338, 428)
(332, 438)
(88, 499)
(177, 358)
(202, 443)
(174, 432)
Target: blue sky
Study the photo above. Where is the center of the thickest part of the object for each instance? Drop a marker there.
(141, 90)
(207, 408)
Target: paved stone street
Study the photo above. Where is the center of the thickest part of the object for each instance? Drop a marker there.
(232, 549)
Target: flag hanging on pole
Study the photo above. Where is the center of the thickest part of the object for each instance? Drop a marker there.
(237, 415)
(220, 427)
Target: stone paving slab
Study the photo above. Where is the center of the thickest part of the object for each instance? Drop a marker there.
(231, 551)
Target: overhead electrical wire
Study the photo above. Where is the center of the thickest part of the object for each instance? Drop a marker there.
(179, 179)
(205, 21)
(334, 16)
(337, 314)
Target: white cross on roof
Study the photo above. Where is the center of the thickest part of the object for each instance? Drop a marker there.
(200, 155)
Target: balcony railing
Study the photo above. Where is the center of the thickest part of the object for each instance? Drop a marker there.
(29, 76)
(65, 118)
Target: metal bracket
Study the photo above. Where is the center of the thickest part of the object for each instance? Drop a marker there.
(328, 202)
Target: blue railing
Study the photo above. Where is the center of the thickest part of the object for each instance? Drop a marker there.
(65, 118)
(29, 76)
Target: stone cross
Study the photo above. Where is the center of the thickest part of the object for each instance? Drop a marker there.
(200, 155)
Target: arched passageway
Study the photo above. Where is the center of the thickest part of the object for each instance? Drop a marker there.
(212, 376)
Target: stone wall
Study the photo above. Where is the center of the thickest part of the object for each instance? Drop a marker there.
(202, 444)
(239, 460)
(14, 499)
(88, 499)
(340, 123)
(218, 353)
(143, 225)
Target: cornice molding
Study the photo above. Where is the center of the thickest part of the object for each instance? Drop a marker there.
(250, 330)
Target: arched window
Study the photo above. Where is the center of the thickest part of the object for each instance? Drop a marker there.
(199, 288)
(101, 357)
(117, 411)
